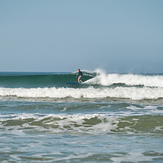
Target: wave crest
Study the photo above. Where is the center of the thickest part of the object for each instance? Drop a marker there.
(105, 79)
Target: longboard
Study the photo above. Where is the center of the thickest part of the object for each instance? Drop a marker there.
(73, 83)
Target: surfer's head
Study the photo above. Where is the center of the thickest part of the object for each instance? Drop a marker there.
(78, 69)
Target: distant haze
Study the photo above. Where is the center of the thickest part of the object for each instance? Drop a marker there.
(64, 35)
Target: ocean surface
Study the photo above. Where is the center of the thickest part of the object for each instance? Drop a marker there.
(108, 118)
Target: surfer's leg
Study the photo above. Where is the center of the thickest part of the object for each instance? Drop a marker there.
(80, 79)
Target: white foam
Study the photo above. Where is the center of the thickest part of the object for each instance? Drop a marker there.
(158, 128)
(57, 123)
(146, 110)
(105, 79)
(118, 92)
(64, 109)
(79, 156)
(132, 157)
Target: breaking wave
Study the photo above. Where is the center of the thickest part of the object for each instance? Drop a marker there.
(105, 79)
(90, 92)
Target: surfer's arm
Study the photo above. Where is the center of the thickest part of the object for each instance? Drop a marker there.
(77, 75)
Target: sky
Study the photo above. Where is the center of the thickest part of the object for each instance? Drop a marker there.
(119, 36)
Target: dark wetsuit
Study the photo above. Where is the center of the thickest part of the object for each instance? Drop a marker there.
(80, 73)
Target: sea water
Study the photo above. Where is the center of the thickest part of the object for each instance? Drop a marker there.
(109, 118)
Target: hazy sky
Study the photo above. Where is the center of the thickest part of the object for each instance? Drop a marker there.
(64, 35)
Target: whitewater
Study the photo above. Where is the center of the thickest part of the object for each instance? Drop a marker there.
(100, 85)
(110, 117)
(118, 92)
(105, 79)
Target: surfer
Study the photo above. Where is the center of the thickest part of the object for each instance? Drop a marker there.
(80, 74)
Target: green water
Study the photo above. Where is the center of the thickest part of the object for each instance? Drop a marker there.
(44, 120)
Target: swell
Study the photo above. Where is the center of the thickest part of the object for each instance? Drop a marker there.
(32, 80)
(95, 78)
(97, 85)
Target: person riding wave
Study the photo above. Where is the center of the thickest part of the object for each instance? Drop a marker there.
(80, 74)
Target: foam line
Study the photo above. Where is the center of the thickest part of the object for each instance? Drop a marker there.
(118, 92)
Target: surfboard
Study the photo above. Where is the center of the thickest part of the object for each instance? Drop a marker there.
(73, 83)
